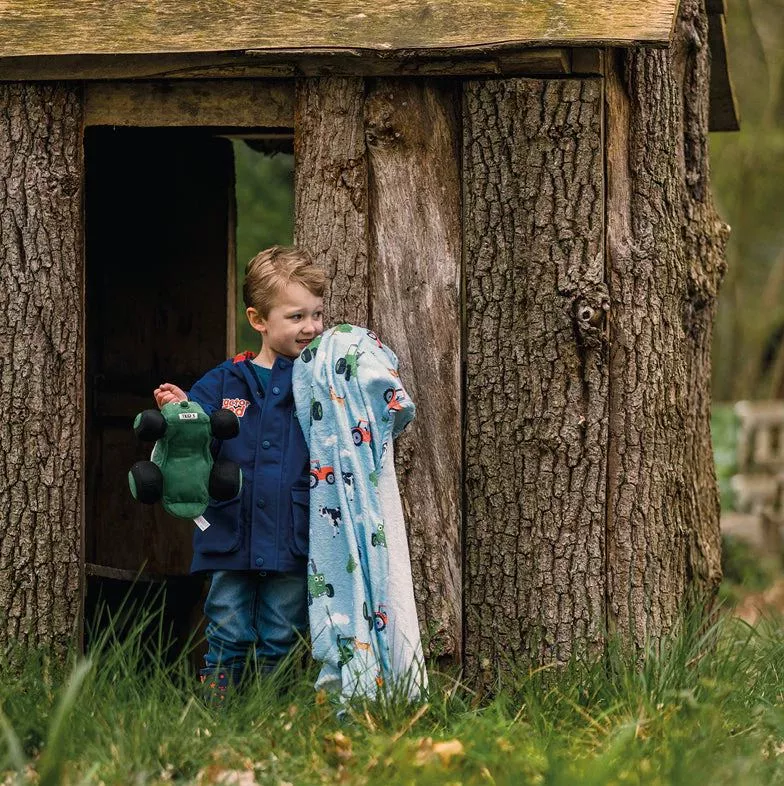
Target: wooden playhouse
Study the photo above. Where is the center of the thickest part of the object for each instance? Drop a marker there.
(515, 195)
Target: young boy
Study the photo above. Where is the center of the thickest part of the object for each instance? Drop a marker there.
(256, 545)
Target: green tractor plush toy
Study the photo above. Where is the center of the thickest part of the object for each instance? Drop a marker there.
(181, 473)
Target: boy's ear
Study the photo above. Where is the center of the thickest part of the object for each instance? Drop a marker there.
(257, 322)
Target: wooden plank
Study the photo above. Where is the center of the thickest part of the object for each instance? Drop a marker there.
(536, 378)
(281, 63)
(41, 356)
(330, 185)
(66, 27)
(413, 139)
(106, 572)
(724, 115)
(218, 102)
(587, 62)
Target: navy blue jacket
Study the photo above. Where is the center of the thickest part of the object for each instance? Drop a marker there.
(266, 526)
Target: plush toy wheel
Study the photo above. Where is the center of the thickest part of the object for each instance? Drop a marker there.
(146, 482)
(225, 480)
(224, 424)
(149, 425)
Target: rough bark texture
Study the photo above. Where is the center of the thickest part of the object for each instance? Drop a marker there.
(412, 131)
(407, 230)
(41, 364)
(665, 262)
(331, 190)
(536, 371)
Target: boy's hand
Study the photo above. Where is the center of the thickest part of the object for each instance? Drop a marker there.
(167, 393)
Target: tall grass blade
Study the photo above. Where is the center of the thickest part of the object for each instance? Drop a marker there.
(15, 752)
(52, 759)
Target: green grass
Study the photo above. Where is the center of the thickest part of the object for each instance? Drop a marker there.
(706, 708)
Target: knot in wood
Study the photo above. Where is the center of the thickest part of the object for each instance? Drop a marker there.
(68, 184)
(381, 134)
(589, 311)
(382, 120)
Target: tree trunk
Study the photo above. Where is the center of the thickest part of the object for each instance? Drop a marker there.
(591, 494)
(330, 190)
(377, 203)
(413, 146)
(41, 362)
(536, 371)
(665, 259)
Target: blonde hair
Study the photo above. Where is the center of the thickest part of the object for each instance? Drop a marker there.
(268, 273)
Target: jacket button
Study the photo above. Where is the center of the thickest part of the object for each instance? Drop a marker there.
(265, 444)
(259, 561)
(261, 503)
(276, 390)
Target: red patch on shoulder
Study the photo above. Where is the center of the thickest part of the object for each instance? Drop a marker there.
(247, 355)
(236, 405)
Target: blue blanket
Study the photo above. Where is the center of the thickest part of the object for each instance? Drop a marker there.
(351, 405)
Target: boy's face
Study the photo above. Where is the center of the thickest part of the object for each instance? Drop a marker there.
(294, 320)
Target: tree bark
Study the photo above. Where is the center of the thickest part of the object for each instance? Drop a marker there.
(41, 362)
(330, 183)
(665, 260)
(536, 370)
(378, 205)
(412, 131)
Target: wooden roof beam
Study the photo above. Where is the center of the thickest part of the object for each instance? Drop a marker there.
(107, 27)
(724, 115)
(231, 65)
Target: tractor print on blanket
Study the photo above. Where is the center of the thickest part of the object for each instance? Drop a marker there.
(361, 433)
(317, 473)
(378, 538)
(378, 618)
(347, 366)
(375, 338)
(316, 409)
(333, 514)
(309, 352)
(317, 585)
(393, 397)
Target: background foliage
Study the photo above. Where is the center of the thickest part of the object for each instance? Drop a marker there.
(748, 184)
(265, 217)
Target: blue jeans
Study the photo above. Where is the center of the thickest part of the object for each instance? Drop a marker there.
(252, 613)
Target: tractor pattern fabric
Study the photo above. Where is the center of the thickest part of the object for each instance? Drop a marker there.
(351, 405)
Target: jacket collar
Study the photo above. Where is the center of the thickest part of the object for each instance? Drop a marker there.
(241, 367)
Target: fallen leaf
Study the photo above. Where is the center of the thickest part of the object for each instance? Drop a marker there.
(220, 777)
(445, 751)
(338, 745)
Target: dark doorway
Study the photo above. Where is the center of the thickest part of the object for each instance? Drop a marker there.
(160, 287)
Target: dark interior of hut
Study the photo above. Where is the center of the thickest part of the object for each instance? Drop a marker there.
(160, 291)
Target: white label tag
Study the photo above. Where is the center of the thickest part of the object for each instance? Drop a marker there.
(189, 416)
(201, 523)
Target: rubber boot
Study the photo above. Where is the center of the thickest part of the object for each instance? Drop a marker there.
(217, 684)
